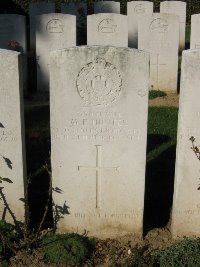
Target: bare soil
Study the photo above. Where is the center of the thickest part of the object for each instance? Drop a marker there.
(170, 100)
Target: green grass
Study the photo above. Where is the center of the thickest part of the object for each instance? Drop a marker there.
(162, 130)
(183, 253)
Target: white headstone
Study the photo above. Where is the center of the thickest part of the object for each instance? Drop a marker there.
(80, 11)
(195, 31)
(99, 106)
(53, 31)
(107, 7)
(178, 8)
(36, 9)
(107, 29)
(12, 149)
(186, 203)
(136, 9)
(159, 35)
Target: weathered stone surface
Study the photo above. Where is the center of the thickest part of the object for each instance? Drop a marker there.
(99, 105)
(36, 9)
(178, 8)
(106, 7)
(136, 9)
(186, 203)
(107, 29)
(159, 35)
(12, 152)
(195, 31)
(53, 31)
(80, 11)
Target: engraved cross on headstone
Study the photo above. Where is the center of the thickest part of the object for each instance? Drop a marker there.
(158, 65)
(98, 168)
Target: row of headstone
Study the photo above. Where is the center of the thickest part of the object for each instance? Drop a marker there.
(135, 9)
(99, 106)
(103, 29)
(158, 34)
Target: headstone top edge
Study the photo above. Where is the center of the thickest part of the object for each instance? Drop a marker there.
(59, 52)
(139, 2)
(106, 47)
(100, 2)
(177, 2)
(55, 14)
(195, 15)
(107, 14)
(191, 51)
(9, 52)
(158, 14)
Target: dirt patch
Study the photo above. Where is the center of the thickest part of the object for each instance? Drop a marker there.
(108, 252)
(170, 100)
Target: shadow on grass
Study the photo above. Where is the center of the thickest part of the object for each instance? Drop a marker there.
(155, 140)
(159, 187)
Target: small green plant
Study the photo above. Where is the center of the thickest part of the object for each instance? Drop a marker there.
(66, 248)
(156, 93)
(183, 253)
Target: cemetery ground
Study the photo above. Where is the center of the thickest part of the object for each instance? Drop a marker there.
(80, 250)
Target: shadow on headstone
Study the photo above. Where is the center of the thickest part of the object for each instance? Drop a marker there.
(159, 187)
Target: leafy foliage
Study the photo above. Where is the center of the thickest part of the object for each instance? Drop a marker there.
(184, 253)
(66, 248)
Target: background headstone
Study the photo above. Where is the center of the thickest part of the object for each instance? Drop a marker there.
(195, 31)
(107, 7)
(99, 106)
(107, 29)
(80, 11)
(12, 149)
(186, 203)
(13, 37)
(136, 9)
(178, 8)
(53, 31)
(159, 35)
(36, 9)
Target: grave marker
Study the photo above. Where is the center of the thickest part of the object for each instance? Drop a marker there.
(136, 9)
(186, 202)
(53, 31)
(36, 9)
(99, 105)
(80, 11)
(178, 8)
(159, 35)
(195, 32)
(107, 29)
(107, 7)
(12, 147)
